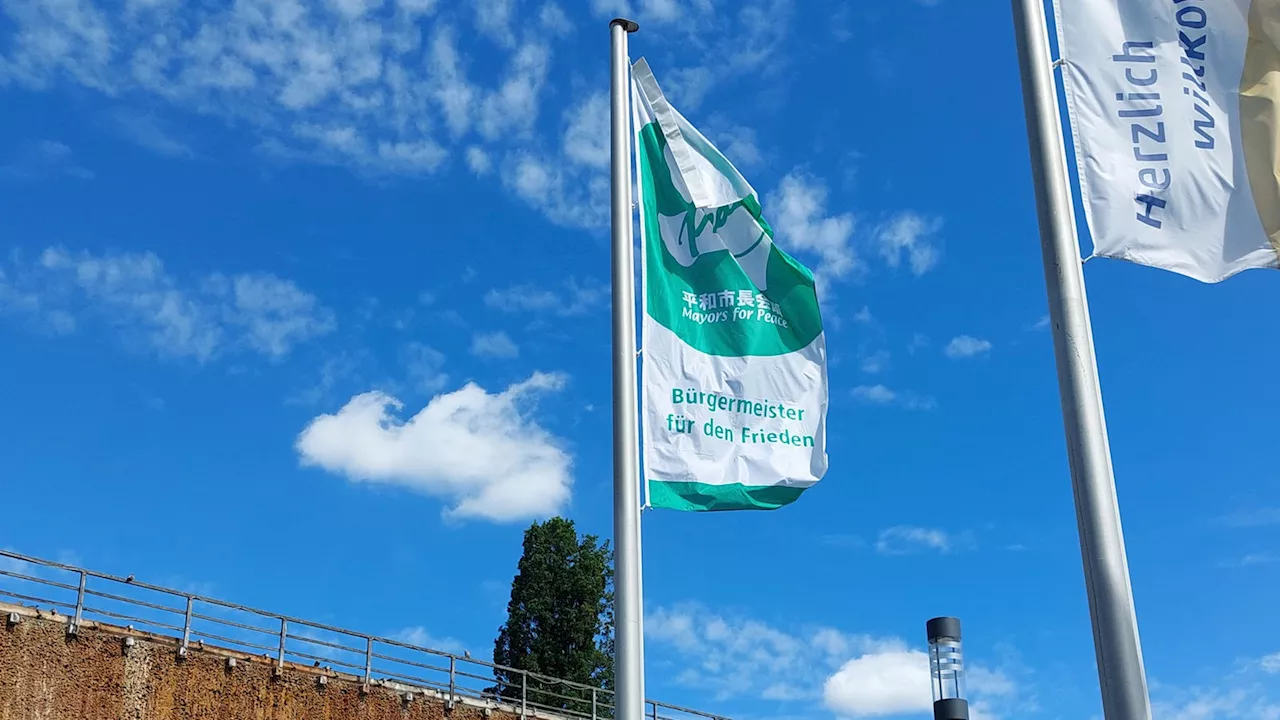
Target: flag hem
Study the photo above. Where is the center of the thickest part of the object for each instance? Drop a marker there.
(705, 497)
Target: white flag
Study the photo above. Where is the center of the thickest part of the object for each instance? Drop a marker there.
(1175, 112)
(735, 362)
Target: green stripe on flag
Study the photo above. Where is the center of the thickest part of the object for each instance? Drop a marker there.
(703, 497)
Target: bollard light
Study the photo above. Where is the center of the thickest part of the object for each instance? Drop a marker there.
(946, 669)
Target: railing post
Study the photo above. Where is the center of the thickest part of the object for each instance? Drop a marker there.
(524, 692)
(74, 627)
(284, 632)
(593, 704)
(186, 630)
(453, 670)
(654, 705)
(368, 661)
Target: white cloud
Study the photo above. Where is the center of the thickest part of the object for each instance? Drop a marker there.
(493, 18)
(882, 395)
(513, 107)
(749, 41)
(911, 235)
(919, 341)
(1240, 703)
(479, 161)
(146, 132)
(572, 188)
(44, 160)
(964, 346)
(648, 11)
(361, 83)
(798, 210)
(864, 316)
(479, 452)
(879, 684)
(738, 143)
(1270, 663)
(553, 19)
(875, 363)
(855, 675)
(734, 656)
(424, 366)
(904, 540)
(1256, 517)
(577, 298)
(1042, 323)
(418, 635)
(494, 345)
(586, 141)
(200, 320)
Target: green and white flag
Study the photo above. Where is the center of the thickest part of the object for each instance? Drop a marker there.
(735, 360)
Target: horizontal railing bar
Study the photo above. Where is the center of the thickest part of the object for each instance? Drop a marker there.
(34, 599)
(424, 666)
(237, 644)
(132, 601)
(330, 662)
(120, 616)
(39, 580)
(233, 623)
(325, 643)
(413, 680)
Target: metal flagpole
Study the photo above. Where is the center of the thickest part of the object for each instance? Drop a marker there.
(628, 635)
(1106, 571)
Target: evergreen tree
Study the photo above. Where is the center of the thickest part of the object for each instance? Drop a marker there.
(559, 618)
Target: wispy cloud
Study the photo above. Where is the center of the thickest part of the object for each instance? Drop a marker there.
(905, 540)
(1256, 517)
(199, 319)
(966, 346)
(919, 341)
(145, 131)
(496, 345)
(424, 366)
(378, 87)
(577, 298)
(1252, 559)
(798, 211)
(911, 236)
(418, 635)
(43, 160)
(875, 362)
(882, 395)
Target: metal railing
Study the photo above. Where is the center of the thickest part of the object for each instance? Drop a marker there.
(190, 620)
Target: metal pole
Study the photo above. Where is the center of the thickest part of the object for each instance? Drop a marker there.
(186, 630)
(453, 681)
(74, 628)
(628, 668)
(1106, 570)
(284, 633)
(368, 660)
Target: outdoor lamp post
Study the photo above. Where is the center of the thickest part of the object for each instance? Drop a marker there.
(946, 669)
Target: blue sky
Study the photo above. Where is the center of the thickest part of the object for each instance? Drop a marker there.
(222, 221)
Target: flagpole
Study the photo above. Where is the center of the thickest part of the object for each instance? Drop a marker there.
(1106, 570)
(628, 607)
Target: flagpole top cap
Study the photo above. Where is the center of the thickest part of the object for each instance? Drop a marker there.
(628, 25)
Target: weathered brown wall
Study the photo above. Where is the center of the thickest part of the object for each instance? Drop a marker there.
(45, 675)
